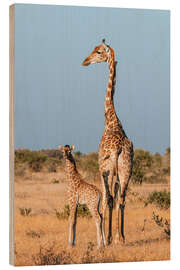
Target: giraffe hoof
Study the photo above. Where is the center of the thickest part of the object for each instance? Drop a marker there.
(71, 246)
(122, 241)
(117, 240)
(109, 241)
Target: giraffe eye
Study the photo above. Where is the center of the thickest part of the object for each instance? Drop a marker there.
(98, 52)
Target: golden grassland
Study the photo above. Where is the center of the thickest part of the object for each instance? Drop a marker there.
(41, 238)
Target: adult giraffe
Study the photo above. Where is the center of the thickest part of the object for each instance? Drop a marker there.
(115, 149)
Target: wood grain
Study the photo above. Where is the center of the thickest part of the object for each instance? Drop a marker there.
(11, 134)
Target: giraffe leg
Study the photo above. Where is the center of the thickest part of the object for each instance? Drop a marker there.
(102, 236)
(72, 226)
(125, 163)
(104, 205)
(122, 207)
(97, 216)
(110, 205)
(117, 211)
(102, 232)
(98, 221)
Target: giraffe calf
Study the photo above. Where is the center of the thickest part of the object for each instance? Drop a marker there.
(80, 192)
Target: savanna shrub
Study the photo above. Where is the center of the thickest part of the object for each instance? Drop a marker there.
(89, 164)
(82, 211)
(34, 159)
(160, 198)
(163, 223)
(141, 162)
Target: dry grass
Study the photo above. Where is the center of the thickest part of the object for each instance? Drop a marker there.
(41, 238)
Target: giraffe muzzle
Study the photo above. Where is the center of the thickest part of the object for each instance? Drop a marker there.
(85, 62)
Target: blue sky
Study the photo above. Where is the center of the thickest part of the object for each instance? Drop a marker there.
(58, 101)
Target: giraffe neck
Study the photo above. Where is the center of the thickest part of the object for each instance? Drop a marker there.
(71, 169)
(110, 114)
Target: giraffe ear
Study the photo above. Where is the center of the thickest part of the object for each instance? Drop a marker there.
(103, 41)
(61, 148)
(72, 147)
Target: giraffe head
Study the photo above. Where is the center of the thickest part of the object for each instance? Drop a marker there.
(66, 150)
(100, 54)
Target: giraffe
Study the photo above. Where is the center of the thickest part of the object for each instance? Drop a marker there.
(80, 192)
(115, 149)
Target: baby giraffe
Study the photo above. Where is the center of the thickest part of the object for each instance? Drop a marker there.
(80, 192)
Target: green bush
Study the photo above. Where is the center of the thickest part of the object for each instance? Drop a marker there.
(33, 234)
(143, 157)
(155, 178)
(20, 170)
(78, 154)
(25, 211)
(157, 159)
(55, 181)
(163, 223)
(29, 156)
(50, 257)
(166, 170)
(89, 164)
(168, 151)
(52, 164)
(82, 211)
(159, 198)
(35, 166)
(34, 159)
(146, 168)
(141, 162)
(53, 153)
(137, 175)
(150, 168)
